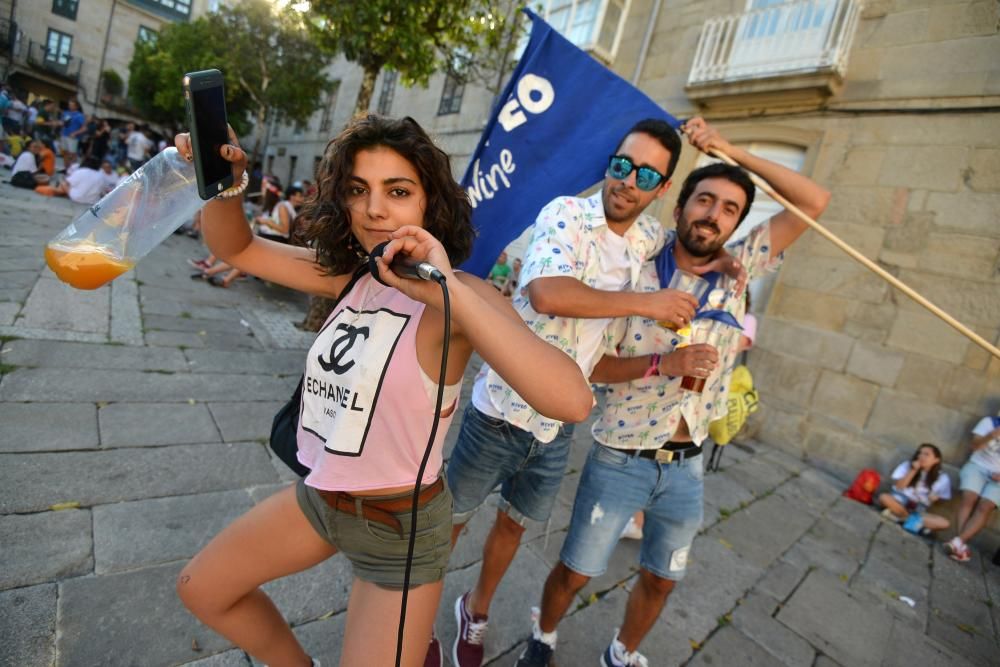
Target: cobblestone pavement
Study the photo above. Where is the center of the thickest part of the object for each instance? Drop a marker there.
(133, 424)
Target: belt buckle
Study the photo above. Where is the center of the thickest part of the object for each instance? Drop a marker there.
(664, 456)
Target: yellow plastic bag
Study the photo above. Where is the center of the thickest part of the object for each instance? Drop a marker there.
(742, 402)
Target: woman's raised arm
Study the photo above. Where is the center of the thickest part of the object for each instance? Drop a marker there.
(226, 233)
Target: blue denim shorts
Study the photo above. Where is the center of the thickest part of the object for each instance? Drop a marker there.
(614, 485)
(491, 452)
(974, 477)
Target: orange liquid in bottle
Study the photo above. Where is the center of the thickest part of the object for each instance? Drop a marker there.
(85, 265)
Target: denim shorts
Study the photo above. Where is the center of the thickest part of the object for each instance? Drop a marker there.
(614, 485)
(376, 551)
(908, 503)
(974, 477)
(491, 452)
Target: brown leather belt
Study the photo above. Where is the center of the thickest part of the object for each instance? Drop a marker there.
(381, 510)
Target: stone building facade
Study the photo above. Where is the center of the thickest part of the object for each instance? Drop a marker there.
(58, 48)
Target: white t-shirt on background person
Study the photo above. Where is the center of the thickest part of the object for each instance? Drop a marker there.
(25, 162)
(137, 144)
(919, 493)
(86, 185)
(989, 456)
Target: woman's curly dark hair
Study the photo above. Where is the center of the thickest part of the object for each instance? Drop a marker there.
(326, 215)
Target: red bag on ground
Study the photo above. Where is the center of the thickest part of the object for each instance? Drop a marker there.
(864, 486)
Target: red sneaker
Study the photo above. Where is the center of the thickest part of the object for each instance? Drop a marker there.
(468, 648)
(957, 550)
(434, 657)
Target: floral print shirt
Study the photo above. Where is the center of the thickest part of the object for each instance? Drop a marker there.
(645, 413)
(564, 242)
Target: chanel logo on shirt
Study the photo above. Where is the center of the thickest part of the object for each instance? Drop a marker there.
(340, 347)
(344, 375)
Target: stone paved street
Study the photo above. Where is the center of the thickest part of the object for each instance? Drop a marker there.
(133, 428)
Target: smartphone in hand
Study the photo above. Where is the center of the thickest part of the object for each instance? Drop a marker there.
(205, 99)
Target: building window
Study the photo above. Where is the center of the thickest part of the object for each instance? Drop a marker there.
(328, 107)
(171, 9)
(58, 47)
(317, 160)
(388, 90)
(300, 128)
(787, 155)
(451, 95)
(147, 35)
(593, 25)
(65, 8)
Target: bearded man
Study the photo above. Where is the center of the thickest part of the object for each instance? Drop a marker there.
(650, 435)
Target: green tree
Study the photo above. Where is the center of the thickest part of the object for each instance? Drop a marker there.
(415, 39)
(111, 82)
(270, 62)
(497, 29)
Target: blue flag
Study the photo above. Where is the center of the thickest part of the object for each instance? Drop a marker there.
(558, 121)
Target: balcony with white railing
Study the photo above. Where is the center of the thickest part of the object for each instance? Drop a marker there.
(800, 45)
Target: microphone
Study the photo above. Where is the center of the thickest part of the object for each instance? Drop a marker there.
(404, 266)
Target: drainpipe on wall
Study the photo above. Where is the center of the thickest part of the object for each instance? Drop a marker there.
(646, 39)
(104, 54)
(12, 37)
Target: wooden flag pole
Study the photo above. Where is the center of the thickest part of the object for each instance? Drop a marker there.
(870, 265)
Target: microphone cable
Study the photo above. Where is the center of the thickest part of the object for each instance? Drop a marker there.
(440, 280)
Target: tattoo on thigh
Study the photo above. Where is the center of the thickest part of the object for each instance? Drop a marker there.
(185, 578)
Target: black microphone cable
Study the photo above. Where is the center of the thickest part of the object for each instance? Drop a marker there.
(440, 280)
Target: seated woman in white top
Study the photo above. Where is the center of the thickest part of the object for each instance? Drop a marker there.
(278, 226)
(85, 185)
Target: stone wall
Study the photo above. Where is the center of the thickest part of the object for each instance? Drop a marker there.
(853, 372)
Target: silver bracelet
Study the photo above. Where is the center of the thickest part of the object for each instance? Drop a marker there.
(236, 190)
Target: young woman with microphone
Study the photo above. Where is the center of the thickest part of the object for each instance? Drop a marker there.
(369, 391)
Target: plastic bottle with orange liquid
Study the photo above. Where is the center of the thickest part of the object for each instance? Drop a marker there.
(109, 238)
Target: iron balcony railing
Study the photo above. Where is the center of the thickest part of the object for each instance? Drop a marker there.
(60, 64)
(9, 37)
(801, 36)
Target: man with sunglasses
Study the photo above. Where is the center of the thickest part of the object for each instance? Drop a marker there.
(580, 271)
(649, 436)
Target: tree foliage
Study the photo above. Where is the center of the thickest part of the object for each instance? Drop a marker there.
(111, 82)
(497, 30)
(415, 39)
(270, 63)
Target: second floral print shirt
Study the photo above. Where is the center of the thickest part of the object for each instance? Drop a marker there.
(565, 242)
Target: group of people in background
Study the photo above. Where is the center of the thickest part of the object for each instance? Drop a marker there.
(96, 155)
(920, 483)
(272, 214)
(505, 277)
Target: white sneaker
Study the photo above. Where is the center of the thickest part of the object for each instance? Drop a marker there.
(615, 655)
(889, 516)
(631, 531)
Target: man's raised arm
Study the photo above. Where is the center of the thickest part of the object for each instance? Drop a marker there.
(810, 197)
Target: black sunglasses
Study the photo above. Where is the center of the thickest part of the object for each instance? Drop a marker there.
(646, 178)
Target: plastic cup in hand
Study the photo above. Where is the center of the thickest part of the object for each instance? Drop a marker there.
(108, 239)
(684, 281)
(702, 332)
